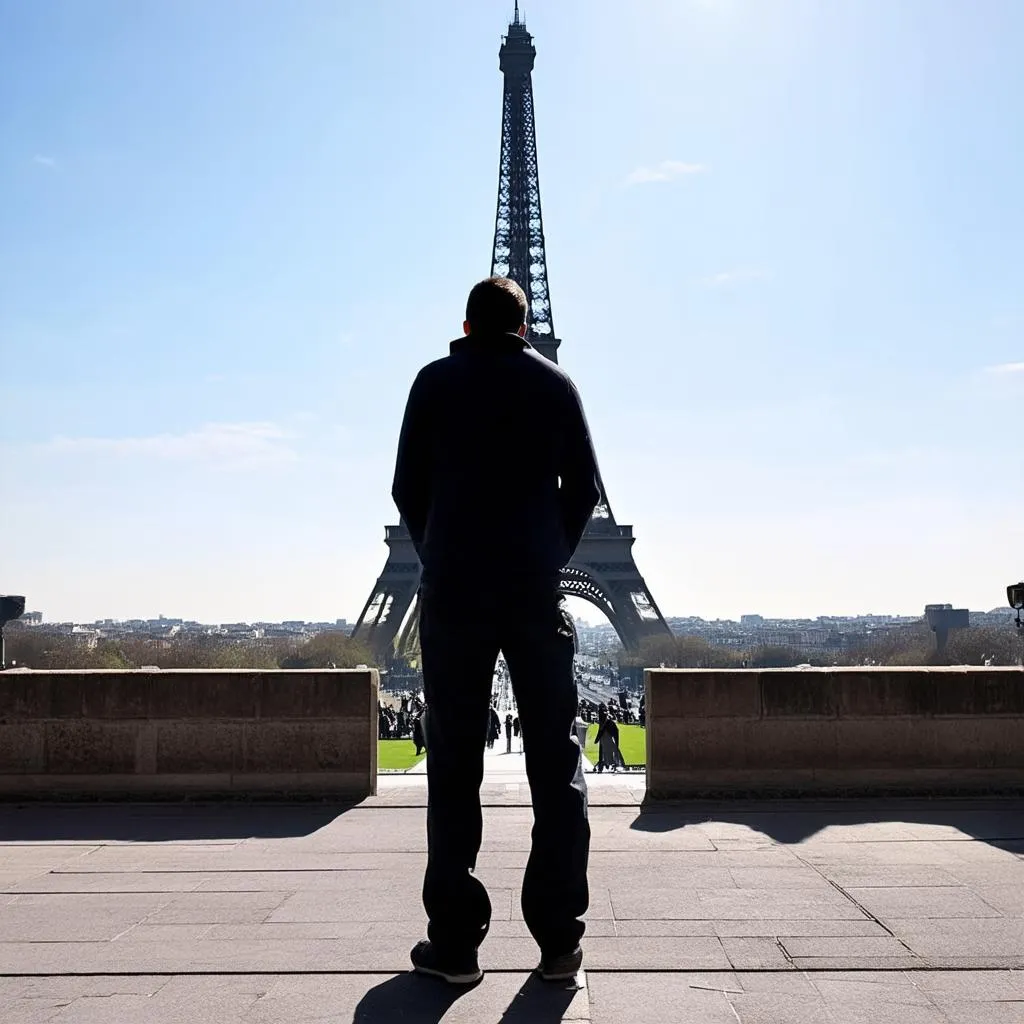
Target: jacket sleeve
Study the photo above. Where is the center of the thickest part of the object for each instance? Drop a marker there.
(411, 487)
(580, 489)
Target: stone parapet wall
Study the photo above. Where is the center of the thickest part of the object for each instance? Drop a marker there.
(862, 730)
(176, 733)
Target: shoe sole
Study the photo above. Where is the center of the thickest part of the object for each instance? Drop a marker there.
(566, 976)
(452, 979)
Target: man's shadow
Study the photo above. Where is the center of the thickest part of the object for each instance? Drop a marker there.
(407, 997)
(413, 999)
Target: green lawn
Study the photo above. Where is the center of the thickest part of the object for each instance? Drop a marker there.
(632, 743)
(396, 755)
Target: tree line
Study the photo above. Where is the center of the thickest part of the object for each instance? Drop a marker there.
(906, 645)
(32, 648)
(909, 645)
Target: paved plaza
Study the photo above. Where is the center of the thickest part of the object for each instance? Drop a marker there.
(790, 913)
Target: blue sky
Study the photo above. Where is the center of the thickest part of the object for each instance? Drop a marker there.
(786, 262)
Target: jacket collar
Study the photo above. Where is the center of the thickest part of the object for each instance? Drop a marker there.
(490, 341)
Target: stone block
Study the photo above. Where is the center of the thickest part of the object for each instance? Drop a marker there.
(66, 694)
(306, 746)
(885, 693)
(204, 693)
(22, 747)
(77, 747)
(694, 743)
(161, 733)
(789, 743)
(979, 692)
(844, 946)
(979, 742)
(755, 954)
(840, 730)
(120, 695)
(919, 903)
(199, 746)
(24, 695)
(800, 694)
(696, 693)
(877, 743)
(724, 745)
(315, 694)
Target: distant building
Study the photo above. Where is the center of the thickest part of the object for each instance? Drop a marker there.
(751, 620)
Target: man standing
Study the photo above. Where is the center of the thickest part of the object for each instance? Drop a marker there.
(496, 480)
(493, 727)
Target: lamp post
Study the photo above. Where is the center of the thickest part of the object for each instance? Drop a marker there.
(1015, 599)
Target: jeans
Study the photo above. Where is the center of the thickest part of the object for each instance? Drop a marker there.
(461, 633)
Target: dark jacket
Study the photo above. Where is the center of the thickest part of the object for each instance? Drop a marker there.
(496, 472)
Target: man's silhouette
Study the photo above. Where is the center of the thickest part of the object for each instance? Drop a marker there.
(496, 480)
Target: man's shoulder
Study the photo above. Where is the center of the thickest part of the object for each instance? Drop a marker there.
(434, 368)
(529, 358)
(544, 365)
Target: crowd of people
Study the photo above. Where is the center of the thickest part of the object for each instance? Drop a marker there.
(404, 716)
(621, 710)
(397, 723)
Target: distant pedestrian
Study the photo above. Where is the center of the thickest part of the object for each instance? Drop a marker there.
(608, 754)
(516, 729)
(493, 728)
(496, 467)
(508, 733)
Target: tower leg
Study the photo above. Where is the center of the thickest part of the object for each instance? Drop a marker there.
(391, 597)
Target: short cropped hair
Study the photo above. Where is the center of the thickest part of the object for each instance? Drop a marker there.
(497, 304)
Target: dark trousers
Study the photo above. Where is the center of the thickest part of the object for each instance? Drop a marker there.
(461, 633)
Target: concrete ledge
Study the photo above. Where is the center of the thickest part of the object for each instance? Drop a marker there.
(787, 731)
(109, 733)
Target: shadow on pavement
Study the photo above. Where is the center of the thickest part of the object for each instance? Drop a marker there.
(156, 823)
(538, 1002)
(997, 821)
(417, 1000)
(408, 997)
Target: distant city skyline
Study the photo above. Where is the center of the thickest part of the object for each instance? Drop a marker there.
(784, 250)
(582, 612)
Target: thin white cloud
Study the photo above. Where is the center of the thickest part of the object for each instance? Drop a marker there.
(233, 443)
(44, 161)
(727, 277)
(1003, 368)
(667, 170)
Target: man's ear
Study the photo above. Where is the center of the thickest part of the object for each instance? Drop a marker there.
(521, 331)
(465, 327)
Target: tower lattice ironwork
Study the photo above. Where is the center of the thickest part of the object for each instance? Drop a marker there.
(518, 250)
(603, 570)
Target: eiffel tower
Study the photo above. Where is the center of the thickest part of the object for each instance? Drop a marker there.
(603, 570)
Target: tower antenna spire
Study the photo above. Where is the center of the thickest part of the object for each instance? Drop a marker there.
(516, 22)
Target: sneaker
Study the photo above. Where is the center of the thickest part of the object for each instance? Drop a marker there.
(460, 969)
(561, 968)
